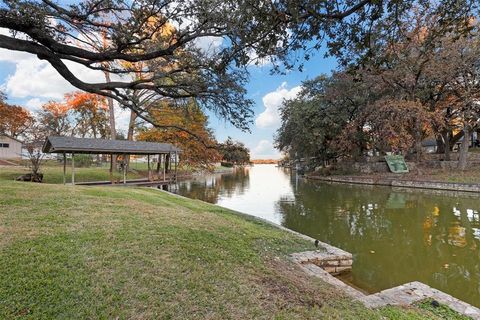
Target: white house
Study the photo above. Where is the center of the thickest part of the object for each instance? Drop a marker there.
(10, 148)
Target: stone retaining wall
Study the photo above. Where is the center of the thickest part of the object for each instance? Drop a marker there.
(334, 261)
(379, 165)
(435, 185)
(329, 261)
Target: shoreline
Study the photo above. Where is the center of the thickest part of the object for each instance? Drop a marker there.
(402, 183)
(328, 262)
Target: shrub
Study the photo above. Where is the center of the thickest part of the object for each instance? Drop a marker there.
(226, 164)
(83, 160)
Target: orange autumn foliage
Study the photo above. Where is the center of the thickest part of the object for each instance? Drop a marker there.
(14, 120)
(195, 153)
(91, 112)
(54, 117)
(78, 99)
(57, 109)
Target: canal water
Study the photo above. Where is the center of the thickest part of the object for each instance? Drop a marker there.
(396, 236)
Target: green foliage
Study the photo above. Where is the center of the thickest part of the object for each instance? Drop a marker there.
(83, 160)
(196, 152)
(312, 122)
(441, 311)
(335, 169)
(234, 152)
(227, 164)
(396, 97)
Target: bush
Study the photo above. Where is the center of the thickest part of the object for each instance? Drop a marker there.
(226, 164)
(334, 170)
(83, 160)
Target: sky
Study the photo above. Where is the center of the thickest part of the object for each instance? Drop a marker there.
(30, 82)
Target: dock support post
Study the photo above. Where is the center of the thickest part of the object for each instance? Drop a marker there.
(64, 168)
(73, 168)
(164, 158)
(111, 168)
(176, 165)
(148, 166)
(124, 169)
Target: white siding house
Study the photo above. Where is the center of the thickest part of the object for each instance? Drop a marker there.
(10, 148)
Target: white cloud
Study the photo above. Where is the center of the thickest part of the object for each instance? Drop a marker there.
(34, 104)
(38, 79)
(209, 45)
(255, 60)
(35, 78)
(122, 118)
(272, 102)
(265, 150)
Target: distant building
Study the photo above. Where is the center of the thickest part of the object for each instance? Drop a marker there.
(10, 148)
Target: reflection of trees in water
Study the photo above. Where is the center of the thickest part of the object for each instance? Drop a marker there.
(210, 187)
(236, 182)
(414, 236)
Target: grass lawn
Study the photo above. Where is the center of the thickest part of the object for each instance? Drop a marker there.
(136, 253)
(54, 174)
(471, 175)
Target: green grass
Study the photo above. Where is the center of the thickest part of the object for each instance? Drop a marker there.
(54, 174)
(440, 311)
(421, 311)
(121, 253)
(471, 175)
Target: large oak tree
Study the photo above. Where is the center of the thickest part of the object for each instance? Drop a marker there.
(101, 34)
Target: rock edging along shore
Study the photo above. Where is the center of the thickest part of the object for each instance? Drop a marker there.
(435, 185)
(328, 261)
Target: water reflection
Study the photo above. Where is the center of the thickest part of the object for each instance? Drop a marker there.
(395, 236)
(211, 187)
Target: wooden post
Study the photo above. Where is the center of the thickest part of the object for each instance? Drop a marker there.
(167, 162)
(64, 168)
(164, 157)
(124, 169)
(176, 165)
(111, 168)
(73, 168)
(148, 166)
(158, 166)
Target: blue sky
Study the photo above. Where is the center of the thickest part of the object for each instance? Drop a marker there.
(31, 82)
(268, 91)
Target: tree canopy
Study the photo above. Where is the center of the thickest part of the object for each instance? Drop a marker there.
(234, 152)
(14, 120)
(195, 153)
(80, 114)
(168, 38)
(423, 85)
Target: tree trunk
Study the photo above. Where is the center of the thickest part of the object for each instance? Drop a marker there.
(447, 148)
(440, 143)
(111, 109)
(111, 117)
(418, 141)
(131, 129)
(463, 155)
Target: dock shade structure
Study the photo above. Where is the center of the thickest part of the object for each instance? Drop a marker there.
(166, 152)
